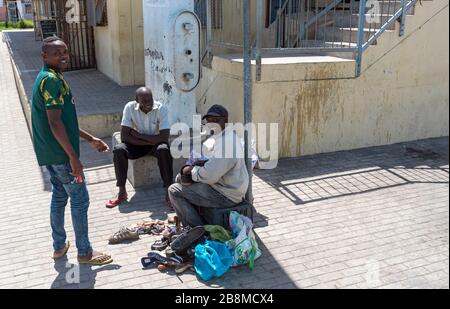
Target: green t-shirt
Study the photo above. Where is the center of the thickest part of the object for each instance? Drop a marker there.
(50, 92)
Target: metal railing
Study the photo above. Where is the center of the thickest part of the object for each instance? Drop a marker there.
(303, 26)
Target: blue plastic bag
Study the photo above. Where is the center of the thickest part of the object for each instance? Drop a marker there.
(212, 260)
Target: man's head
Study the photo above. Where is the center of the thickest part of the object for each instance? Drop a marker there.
(218, 115)
(144, 97)
(55, 53)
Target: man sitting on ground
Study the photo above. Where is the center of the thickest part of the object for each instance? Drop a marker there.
(221, 182)
(145, 130)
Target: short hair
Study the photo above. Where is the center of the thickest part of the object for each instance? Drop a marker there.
(47, 42)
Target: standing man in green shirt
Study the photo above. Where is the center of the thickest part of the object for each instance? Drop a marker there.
(56, 140)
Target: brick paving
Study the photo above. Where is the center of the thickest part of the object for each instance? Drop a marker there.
(369, 218)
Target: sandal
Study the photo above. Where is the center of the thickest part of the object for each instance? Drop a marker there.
(169, 231)
(158, 259)
(99, 260)
(160, 245)
(63, 253)
(123, 235)
(116, 202)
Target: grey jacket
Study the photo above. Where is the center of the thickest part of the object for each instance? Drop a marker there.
(225, 171)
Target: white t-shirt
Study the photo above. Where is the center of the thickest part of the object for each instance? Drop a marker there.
(150, 124)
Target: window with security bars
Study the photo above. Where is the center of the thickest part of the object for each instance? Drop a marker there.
(216, 13)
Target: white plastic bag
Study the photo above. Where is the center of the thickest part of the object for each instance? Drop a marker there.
(244, 246)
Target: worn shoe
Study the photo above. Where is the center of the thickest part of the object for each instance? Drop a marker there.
(123, 235)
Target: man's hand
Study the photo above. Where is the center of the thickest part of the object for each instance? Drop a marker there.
(188, 170)
(99, 145)
(186, 176)
(77, 167)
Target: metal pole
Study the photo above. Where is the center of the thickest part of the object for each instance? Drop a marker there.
(259, 30)
(403, 20)
(248, 94)
(361, 23)
(209, 32)
(302, 23)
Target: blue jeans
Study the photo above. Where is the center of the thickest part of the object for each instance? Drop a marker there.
(64, 186)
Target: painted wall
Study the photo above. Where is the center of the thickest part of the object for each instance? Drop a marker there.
(3, 13)
(401, 95)
(119, 46)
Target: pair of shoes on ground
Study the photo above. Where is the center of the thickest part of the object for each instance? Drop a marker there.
(97, 259)
(163, 263)
(168, 236)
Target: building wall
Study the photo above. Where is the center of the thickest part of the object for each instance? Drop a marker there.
(120, 45)
(2, 13)
(401, 95)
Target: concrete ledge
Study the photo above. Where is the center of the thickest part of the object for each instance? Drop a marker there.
(288, 68)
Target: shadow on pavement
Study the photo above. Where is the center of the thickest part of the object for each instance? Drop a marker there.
(72, 276)
(355, 172)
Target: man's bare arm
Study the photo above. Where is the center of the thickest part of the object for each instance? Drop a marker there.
(95, 142)
(127, 137)
(153, 140)
(86, 136)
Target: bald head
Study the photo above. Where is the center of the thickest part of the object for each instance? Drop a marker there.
(144, 97)
(143, 91)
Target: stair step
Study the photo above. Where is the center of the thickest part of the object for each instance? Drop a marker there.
(349, 35)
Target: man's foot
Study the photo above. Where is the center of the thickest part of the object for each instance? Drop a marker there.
(95, 259)
(116, 201)
(62, 252)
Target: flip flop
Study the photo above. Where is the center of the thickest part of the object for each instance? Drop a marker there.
(66, 249)
(169, 261)
(148, 261)
(100, 260)
(116, 202)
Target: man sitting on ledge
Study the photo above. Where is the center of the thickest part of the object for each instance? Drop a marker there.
(220, 182)
(145, 130)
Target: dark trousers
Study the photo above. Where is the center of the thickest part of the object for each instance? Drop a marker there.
(124, 152)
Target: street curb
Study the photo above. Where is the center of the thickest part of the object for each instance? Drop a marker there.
(19, 85)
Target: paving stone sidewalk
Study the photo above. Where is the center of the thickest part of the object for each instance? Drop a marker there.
(370, 218)
(95, 92)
